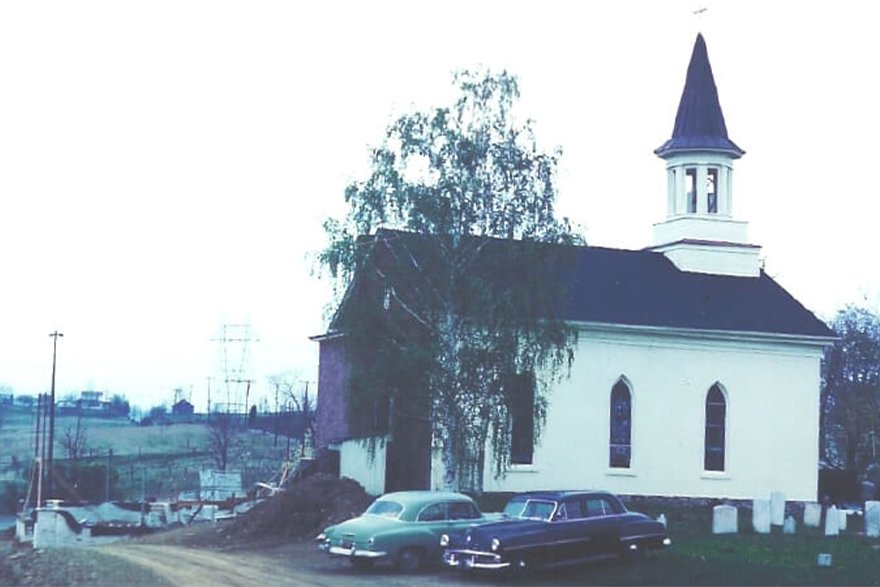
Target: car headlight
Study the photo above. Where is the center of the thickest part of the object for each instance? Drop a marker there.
(496, 544)
(321, 537)
(444, 540)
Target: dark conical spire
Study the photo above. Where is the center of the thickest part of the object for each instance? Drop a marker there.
(699, 123)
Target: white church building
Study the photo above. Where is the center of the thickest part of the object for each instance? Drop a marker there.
(695, 373)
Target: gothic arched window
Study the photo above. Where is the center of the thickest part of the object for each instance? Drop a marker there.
(620, 442)
(522, 441)
(716, 415)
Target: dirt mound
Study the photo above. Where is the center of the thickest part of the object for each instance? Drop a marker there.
(304, 509)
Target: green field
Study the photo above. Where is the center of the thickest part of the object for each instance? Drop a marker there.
(163, 459)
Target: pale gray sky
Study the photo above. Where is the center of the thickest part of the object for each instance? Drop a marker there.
(165, 166)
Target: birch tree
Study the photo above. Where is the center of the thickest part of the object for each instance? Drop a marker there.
(449, 270)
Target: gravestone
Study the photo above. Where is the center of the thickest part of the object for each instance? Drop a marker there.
(872, 519)
(812, 515)
(832, 522)
(843, 518)
(724, 519)
(790, 525)
(761, 516)
(777, 508)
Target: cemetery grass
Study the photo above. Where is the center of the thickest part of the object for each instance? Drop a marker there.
(697, 557)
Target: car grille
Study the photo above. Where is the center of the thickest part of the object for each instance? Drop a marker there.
(347, 540)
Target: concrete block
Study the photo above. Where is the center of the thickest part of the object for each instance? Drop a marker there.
(812, 515)
(872, 519)
(761, 516)
(777, 508)
(832, 522)
(790, 525)
(724, 519)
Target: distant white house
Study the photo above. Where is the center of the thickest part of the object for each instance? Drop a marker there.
(695, 374)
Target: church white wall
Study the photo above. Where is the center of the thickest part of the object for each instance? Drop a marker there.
(709, 228)
(716, 259)
(355, 462)
(772, 392)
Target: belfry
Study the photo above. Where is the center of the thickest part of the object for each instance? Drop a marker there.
(700, 234)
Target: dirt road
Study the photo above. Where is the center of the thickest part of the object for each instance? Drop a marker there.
(291, 564)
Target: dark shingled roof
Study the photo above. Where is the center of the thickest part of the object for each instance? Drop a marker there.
(699, 123)
(644, 288)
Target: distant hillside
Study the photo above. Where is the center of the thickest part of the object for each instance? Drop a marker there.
(167, 457)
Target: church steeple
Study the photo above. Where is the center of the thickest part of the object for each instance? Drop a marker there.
(699, 233)
(699, 122)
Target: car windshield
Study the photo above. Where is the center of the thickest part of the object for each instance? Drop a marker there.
(531, 509)
(385, 508)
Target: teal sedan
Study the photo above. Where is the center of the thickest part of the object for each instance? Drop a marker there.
(403, 528)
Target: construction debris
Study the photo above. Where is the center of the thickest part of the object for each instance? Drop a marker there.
(304, 509)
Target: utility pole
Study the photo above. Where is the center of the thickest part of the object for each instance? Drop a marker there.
(37, 427)
(38, 460)
(275, 442)
(107, 475)
(44, 436)
(50, 478)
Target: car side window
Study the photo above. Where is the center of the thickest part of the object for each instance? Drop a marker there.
(596, 507)
(463, 511)
(612, 506)
(432, 513)
(574, 509)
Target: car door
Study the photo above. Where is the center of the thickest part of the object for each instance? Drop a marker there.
(571, 535)
(432, 523)
(604, 523)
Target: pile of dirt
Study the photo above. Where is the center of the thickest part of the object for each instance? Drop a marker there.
(303, 509)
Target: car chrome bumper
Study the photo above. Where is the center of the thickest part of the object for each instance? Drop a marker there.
(474, 559)
(351, 552)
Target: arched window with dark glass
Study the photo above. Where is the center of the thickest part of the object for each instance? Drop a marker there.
(716, 414)
(522, 441)
(620, 446)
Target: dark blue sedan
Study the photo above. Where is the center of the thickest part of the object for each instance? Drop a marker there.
(554, 528)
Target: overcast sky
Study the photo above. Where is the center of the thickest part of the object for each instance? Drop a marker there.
(165, 167)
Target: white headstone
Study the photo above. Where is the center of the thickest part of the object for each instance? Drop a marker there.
(823, 560)
(777, 508)
(843, 516)
(832, 522)
(761, 516)
(724, 519)
(872, 519)
(790, 525)
(812, 515)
